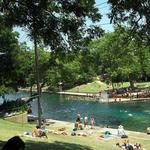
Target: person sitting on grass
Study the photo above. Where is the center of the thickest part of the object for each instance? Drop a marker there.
(78, 125)
(38, 132)
(121, 131)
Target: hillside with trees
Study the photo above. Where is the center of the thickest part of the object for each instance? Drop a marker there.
(71, 58)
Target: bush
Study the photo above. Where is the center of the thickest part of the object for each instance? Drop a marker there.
(13, 106)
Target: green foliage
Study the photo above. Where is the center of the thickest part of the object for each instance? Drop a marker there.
(119, 57)
(9, 46)
(59, 24)
(133, 13)
(13, 106)
(16, 63)
(62, 25)
(24, 64)
(3, 90)
(53, 78)
(71, 69)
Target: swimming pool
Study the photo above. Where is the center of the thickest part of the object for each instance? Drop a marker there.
(133, 116)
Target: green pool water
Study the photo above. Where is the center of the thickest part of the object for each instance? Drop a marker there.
(133, 116)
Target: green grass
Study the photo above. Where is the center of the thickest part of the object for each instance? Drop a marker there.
(93, 87)
(97, 86)
(57, 142)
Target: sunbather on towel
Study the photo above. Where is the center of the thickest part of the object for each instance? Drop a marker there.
(60, 133)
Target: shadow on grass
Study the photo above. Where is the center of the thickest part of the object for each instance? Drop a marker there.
(57, 145)
(2, 143)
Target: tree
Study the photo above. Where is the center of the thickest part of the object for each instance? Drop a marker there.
(117, 57)
(135, 13)
(9, 46)
(60, 24)
(69, 68)
(141, 50)
(26, 67)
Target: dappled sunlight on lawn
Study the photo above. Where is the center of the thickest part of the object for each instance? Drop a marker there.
(56, 145)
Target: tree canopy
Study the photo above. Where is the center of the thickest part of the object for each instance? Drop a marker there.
(64, 26)
(134, 13)
(9, 46)
(60, 24)
(120, 58)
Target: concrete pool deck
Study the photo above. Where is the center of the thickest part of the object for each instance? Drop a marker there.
(97, 131)
(96, 97)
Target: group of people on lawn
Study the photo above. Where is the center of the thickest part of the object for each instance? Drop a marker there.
(87, 121)
(38, 132)
(90, 122)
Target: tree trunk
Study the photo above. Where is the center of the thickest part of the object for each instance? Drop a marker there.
(132, 84)
(37, 80)
(31, 91)
(113, 86)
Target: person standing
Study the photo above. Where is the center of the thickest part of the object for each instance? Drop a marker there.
(92, 122)
(85, 121)
(78, 119)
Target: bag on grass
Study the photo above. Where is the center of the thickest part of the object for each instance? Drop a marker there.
(124, 136)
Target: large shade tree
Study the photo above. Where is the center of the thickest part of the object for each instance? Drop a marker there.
(119, 58)
(9, 48)
(61, 24)
(136, 15)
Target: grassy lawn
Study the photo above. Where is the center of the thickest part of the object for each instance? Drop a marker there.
(97, 86)
(93, 87)
(68, 142)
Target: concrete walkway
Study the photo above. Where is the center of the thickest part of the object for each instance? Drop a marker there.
(70, 126)
(97, 97)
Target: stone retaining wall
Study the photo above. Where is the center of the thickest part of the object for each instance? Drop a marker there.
(18, 118)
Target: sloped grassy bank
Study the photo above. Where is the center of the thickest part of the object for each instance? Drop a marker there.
(67, 142)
